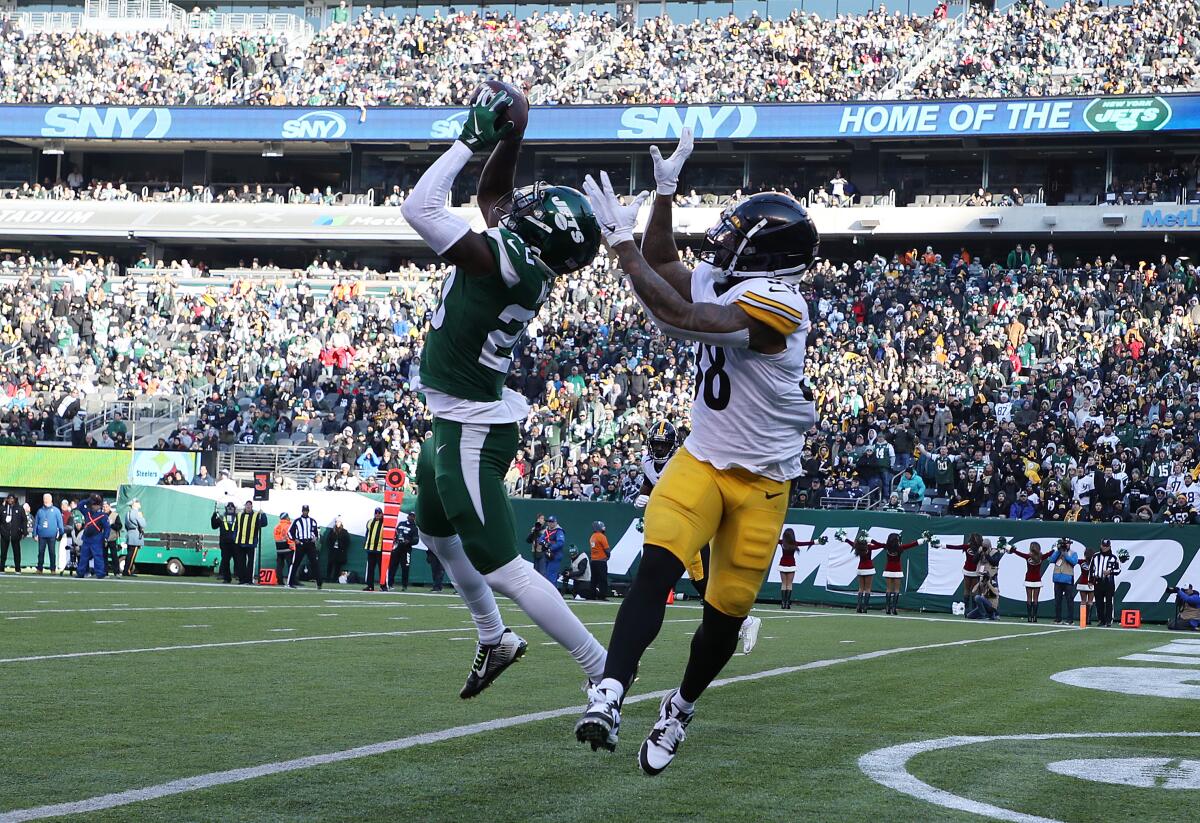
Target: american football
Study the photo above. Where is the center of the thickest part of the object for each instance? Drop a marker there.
(517, 111)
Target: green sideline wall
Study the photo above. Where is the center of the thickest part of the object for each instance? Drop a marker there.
(1160, 556)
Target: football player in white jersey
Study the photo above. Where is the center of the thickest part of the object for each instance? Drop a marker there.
(728, 484)
(663, 440)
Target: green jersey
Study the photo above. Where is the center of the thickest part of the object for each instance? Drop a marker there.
(479, 319)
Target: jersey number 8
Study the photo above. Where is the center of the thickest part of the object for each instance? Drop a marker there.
(713, 381)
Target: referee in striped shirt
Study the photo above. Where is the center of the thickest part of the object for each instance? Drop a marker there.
(304, 533)
(1104, 568)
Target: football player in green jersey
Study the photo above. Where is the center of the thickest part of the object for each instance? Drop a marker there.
(502, 276)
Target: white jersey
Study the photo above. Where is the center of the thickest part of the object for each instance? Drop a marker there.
(750, 410)
(1192, 490)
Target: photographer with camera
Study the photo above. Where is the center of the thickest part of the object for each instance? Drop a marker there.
(577, 576)
(986, 599)
(1187, 608)
(534, 539)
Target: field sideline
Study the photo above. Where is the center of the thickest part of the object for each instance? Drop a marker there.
(164, 700)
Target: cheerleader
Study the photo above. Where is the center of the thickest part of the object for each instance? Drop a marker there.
(893, 571)
(1033, 578)
(1087, 592)
(862, 548)
(972, 553)
(788, 545)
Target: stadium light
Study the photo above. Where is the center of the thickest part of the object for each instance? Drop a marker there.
(273, 150)
(990, 221)
(54, 147)
(1050, 220)
(1114, 219)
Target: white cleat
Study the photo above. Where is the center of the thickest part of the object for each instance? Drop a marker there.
(659, 748)
(749, 633)
(601, 721)
(491, 661)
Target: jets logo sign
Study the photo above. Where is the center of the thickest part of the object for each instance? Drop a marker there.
(1127, 114)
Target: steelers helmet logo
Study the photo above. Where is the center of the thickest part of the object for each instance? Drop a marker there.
(395, 478)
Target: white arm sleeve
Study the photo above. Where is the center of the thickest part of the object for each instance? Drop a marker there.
(425, 209)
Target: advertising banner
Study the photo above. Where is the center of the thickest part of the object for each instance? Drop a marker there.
(149, 467)
(806, 121)
(1159, 556)
(39, 467)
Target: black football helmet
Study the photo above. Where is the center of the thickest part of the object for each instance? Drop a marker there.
(767, 235)
(663, 440)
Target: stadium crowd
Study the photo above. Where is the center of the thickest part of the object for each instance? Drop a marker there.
(1028, 386)
(1082, 47)
(1024, 49)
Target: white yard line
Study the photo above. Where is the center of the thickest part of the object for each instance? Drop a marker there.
(227, 644)
(189, 608)
(962, 621)
(235, 643)
(207, 781)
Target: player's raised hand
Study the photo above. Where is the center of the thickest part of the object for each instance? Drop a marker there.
(616, 219)
(666, 172)
(482, 128)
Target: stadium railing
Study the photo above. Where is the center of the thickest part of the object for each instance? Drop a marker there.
(242, 460)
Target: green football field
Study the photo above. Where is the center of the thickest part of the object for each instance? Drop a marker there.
(155, 700)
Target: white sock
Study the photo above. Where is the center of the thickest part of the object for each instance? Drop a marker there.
(613, 687)
(469, 584)
(682, 705)
(545, 606)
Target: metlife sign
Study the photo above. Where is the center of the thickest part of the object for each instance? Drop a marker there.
(802, 121)
(1187, 218)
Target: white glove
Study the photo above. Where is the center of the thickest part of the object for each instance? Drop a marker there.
(616, 221)
(666, 172)
(641, 501)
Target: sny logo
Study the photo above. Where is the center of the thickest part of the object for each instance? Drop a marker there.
(315, 125)
(448, 128)
(107, 122)
(657, 123)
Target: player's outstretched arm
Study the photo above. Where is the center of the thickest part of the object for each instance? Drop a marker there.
(498, 178)
(425, 209)
(658, 241)
(707, 323)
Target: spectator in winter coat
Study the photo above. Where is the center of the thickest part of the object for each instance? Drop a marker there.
(48, 529)
(911, 487)
(135, 535)
(1022, 509)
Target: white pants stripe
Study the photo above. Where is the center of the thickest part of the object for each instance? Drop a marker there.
(469, 447)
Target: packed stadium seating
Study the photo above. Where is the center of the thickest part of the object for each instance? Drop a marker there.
(1023, 49)
(1022, 368)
